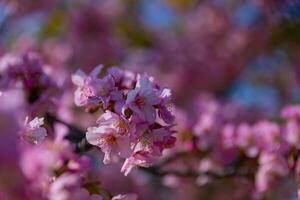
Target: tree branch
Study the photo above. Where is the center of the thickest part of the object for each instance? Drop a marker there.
(77, 136)
(194, 174)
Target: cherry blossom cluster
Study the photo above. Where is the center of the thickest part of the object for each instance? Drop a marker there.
(54, 170)
(28, 73)
(51, 166)
(265, 150)
(136, 122)
(243, 51)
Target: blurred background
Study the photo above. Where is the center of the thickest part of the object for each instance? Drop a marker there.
(241, 51)
(246, 51)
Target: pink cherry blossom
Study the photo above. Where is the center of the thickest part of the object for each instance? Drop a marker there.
(292, 111)
(230, 65)
(115, 121)
(67, 187)
(33, 131)
(125, 197)
(292, 132)
(141, 158)
(271, 167)
(112, 144)
(86, 92)
(142, 99)
(269, 135)
(246, 140)
(124, 79)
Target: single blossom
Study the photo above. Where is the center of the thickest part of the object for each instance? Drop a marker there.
(124, 79)
(247, 140)
(33, 131)
(115, 121)
(142, 158)
(112, 144)
(67, 187)
(269, 135)
(107, 91)
(93, 90)
(86, 93)
(38, 163)
(6, 62)
(271, 168)
(205, 129)
(142, 99)
(229, 136)
(162, 138)
(292, 132)
(292, 111)
(79, 164)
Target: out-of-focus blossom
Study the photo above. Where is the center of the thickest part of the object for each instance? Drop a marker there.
(229, 136)
(33, 132)
(67, 187)
(291, 112)
(90, 28)
(29, 73)
(246, 140)
(268, 135)
(125, 197)
(38, 162)
(271, 167)
(292, 130)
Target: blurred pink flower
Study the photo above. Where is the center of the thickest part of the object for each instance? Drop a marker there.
(246, 140)
(125, 197)
(271, 168)
(67, 187)
(33, 132)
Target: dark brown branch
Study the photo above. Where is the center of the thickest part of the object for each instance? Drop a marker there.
(75, 135)
(171, 158)
(194, 174)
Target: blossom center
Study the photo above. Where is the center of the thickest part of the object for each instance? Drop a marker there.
(122, 126)
(110, 139)
(140, 101)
